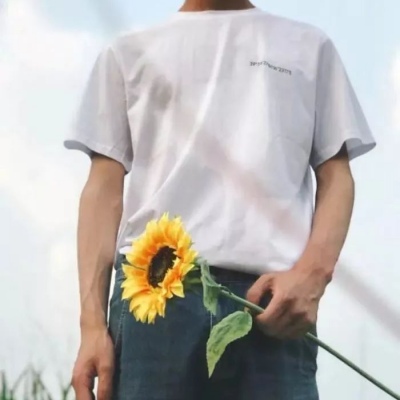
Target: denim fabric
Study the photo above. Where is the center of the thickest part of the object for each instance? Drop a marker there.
(166, 361)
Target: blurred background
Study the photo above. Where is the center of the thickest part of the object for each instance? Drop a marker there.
(47, 48)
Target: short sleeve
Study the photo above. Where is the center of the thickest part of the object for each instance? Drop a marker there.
(101, 125)
(339, 119)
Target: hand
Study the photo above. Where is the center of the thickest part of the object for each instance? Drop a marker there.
(295, 298)
(95, 358)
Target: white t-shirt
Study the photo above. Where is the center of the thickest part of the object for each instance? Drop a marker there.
(219, 116)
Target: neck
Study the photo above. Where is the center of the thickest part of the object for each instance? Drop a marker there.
(204, 5)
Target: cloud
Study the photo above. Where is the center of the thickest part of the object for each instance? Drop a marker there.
(42, 64)
(36, 44)
(42, 69)
(396, 88)
(6, 74)
(37, 182)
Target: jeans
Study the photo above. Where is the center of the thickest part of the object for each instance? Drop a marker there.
(167, 361)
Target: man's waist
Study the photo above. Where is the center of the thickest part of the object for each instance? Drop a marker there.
(220, 273)
(226, 275)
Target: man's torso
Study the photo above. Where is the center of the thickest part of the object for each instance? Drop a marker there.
(221, 111)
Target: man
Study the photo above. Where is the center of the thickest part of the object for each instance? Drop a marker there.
(220, 114)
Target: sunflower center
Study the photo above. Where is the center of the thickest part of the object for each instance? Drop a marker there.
(160, 264)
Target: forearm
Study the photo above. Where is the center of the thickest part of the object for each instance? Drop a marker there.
(333, 210)
(99, 219)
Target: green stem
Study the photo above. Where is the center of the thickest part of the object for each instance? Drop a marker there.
(243, 302)
(259, 310)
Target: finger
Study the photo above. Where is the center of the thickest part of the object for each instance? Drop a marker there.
(299, 327)
(295, 322)
(276, 309)
(83, 387)
(275, 316)
(293, 328)
(262, 285)
(295, 332)
(104, 389)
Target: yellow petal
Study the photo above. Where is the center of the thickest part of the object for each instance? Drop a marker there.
(142, 299)
(185, 241)
(141, 314)
(130, 291)
(152, 315)
(140, 259)
(185, 268)
(161, 308)
(190, 256)
(165, 217)
(177, 289)
(126, 270)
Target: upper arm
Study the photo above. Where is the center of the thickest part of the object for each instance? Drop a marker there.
(106, 174)
(338, 164)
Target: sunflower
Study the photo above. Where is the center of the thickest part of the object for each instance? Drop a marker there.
(159, 261)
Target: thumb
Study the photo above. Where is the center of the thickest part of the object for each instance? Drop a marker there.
(261, 286)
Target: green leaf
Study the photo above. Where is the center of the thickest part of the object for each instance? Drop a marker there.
(210, 298)
(211, 289)
(231, 328)
(205, 272)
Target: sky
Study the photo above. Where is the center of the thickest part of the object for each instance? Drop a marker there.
(46, 51)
